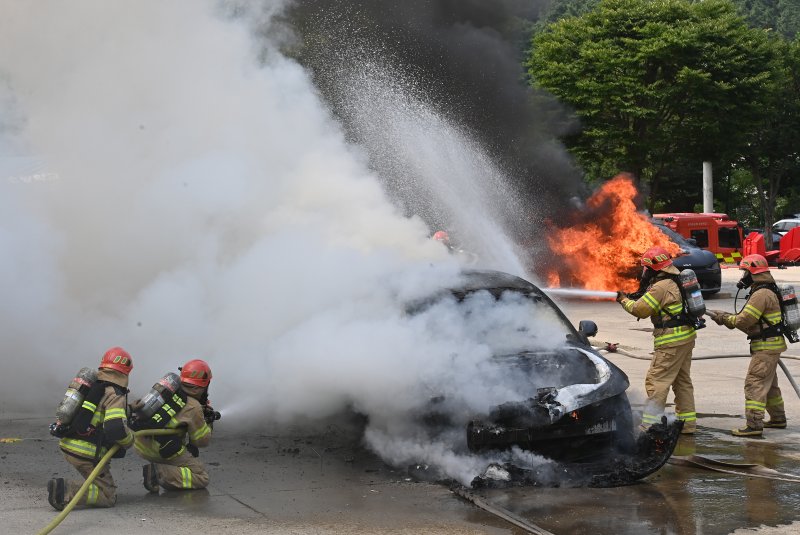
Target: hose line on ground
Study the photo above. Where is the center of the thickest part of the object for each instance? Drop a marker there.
(711, 357)
(97, 469)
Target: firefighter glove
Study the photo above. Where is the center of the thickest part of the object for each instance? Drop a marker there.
(620, 296)
(191, 448)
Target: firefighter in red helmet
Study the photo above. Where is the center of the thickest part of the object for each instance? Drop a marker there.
(673, 339)
(99, 423)
(761, 320)
(173, 458)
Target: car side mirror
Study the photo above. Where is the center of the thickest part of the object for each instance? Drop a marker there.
(587, 328)
(692, 241)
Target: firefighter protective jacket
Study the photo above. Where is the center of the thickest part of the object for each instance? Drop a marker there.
(761, 310)
(660, 303)
(188, 418)
(109, 420)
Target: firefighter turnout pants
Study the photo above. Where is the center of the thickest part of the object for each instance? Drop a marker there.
(184, 472)
(102, 492)
(670, 368)
(761, 390)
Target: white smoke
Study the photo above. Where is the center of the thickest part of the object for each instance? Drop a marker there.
(207, 206)
(436, 168)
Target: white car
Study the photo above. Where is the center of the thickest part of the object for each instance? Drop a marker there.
(785, 225)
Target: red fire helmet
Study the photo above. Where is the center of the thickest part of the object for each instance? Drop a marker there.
(196, 372)
(441, 235)
(656, 258)
(754, 263)
(118, 359)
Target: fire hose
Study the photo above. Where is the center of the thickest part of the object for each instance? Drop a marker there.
(499, 512)
(711, 357)
(739, 469)
(97, 469)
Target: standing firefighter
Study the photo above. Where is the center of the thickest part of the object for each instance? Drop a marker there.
(674, 338)
(761, 320)
(99, 422)
(176, 403)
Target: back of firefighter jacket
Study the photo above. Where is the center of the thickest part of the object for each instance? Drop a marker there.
(189, 418)
(109, 419)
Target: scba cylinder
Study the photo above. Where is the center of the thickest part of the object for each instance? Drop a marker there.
(692, 293)
(73, 398)
(161, 391)
(790, 309)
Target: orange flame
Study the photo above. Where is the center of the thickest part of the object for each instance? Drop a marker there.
(602, 252)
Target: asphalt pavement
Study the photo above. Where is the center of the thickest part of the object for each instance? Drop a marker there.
(324, 481)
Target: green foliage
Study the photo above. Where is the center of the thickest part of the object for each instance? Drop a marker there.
(657, 85)
(771, 154)
(788, 23)
(781, 16)
(559, 9)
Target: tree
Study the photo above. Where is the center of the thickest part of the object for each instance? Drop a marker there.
(654, 83)
(782, 16)
(772, 151)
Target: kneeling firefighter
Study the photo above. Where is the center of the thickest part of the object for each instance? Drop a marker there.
(176, 403)
(91, 419)
(761, 320)
(674, 337)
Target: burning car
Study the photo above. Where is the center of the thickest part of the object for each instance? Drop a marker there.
(576, 411)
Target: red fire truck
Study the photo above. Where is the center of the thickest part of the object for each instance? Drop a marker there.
(716, 232)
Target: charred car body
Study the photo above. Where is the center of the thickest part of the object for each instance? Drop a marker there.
(577, 413)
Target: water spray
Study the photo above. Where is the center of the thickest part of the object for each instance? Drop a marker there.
(579, 293)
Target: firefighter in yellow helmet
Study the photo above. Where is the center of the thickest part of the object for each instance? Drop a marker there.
(760, 319)
(173, 458)
(100, 423)
(674, 339)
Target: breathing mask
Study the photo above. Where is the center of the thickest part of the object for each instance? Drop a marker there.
(746, 281)
(648, 274)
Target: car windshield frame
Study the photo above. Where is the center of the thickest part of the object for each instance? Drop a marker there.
(674, 236)
(535, 294)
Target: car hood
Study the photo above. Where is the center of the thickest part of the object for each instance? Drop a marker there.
(569, 378)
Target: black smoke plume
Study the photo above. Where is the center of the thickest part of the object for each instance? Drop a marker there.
(465, 56)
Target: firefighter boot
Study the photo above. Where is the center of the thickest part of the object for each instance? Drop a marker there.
(150, 478)
(776, 424)
(56, 488)
(747, 431)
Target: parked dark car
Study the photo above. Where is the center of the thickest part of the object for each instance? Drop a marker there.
(577, 411)
(704, 264)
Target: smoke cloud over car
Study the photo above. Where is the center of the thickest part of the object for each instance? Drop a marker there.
(209, 206)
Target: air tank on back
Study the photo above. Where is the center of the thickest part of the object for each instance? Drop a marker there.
(692, 293)
(74, 396)
(791, 312)
(161, 391)
(790, 307)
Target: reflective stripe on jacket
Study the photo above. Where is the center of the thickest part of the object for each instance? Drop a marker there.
(660, 303)
(762, 306)
(110, 411)
(190, 419)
